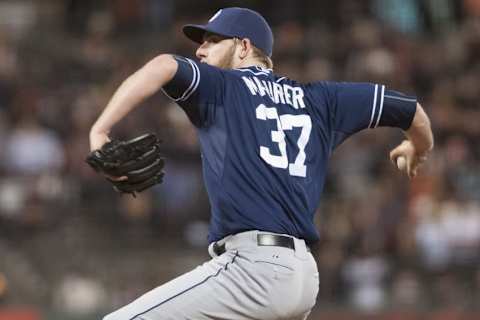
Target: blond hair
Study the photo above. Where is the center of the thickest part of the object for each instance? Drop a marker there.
(262, 57)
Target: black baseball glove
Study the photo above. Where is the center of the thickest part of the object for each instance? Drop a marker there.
(138, 159)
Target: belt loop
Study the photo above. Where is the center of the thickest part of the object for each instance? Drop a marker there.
(301, 251)
(254, 237)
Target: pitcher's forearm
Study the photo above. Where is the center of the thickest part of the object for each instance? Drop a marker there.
(420, 132)
(134, 90)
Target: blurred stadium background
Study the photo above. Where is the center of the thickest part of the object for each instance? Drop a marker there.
(71, 248)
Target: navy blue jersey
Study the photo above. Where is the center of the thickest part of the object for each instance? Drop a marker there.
(266, 140)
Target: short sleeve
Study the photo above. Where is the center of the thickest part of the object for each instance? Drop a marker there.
(357, 106)
(398, 110)
(198, 89)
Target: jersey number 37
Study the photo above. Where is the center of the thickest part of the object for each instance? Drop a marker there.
(286, 122)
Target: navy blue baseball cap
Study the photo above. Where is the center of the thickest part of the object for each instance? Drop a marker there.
(235, 23)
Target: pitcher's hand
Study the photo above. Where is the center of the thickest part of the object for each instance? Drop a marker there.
(413, 160)
(97, 140)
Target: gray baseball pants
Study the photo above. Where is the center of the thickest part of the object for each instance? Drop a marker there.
(248, 281)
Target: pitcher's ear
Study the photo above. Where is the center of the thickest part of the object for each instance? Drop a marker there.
(246, 47)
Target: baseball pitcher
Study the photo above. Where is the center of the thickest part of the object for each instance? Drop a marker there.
(265, 142)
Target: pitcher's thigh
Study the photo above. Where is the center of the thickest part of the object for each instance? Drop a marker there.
(142, 307)
(210, 291)
(230, 293)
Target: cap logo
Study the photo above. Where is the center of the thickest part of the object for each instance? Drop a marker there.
(215, 15)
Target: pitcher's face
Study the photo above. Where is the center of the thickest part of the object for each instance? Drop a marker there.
(217, 51)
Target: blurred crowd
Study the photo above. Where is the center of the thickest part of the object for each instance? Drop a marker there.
(68, 241)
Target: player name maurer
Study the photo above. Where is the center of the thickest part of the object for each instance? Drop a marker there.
(278, 93)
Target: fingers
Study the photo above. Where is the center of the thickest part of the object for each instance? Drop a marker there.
(410, 166)
(394, 154)
(417, 162)
(401, 150)
(412, 171)
(414, 161)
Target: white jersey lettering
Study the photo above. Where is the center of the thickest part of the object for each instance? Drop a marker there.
(250, 85)
(278, 93)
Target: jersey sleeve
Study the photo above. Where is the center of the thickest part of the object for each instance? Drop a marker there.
(357, 106)
(197, 88)
(399, 110)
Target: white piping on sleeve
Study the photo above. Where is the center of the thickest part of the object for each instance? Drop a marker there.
(374, 106)
(381, 107)
(399, 98)
(193, 84)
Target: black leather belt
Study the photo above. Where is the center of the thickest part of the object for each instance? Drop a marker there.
(263, 239)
